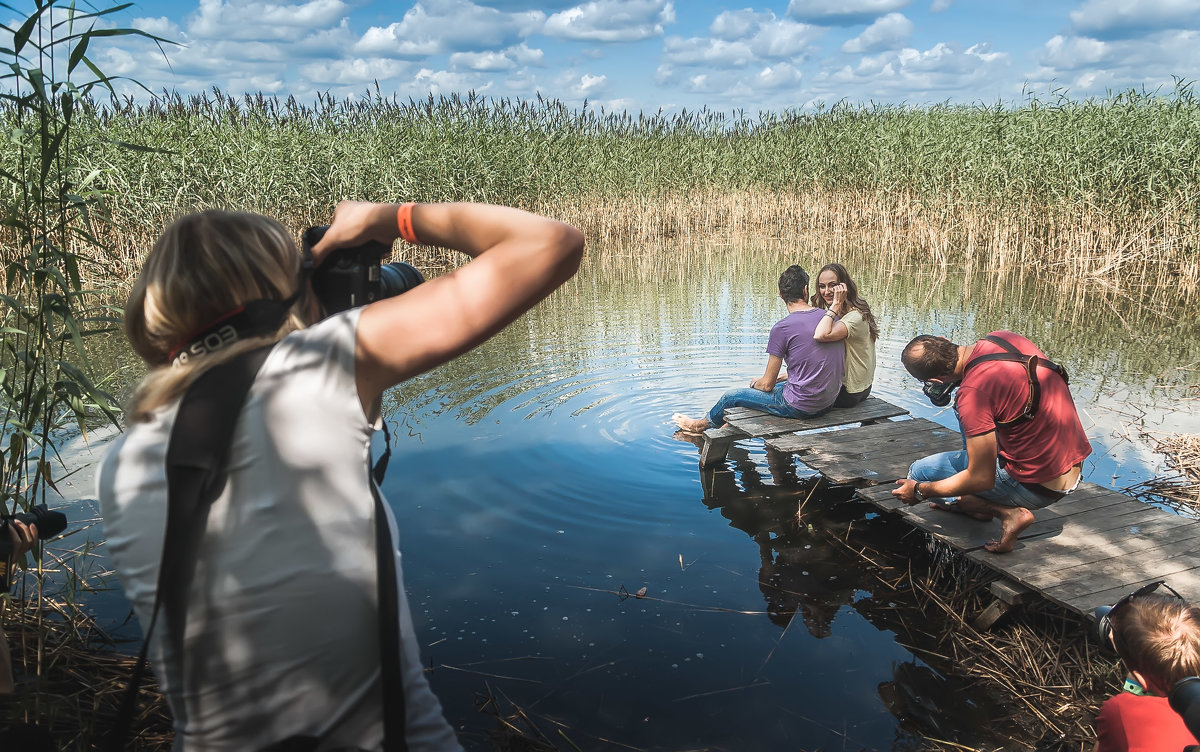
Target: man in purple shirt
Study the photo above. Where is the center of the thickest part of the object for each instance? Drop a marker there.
(814, 369)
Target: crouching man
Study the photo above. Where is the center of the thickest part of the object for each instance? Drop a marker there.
(1024, 443)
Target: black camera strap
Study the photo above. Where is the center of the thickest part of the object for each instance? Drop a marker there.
(1031, 362)
(196, 476)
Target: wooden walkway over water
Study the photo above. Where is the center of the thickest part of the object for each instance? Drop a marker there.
(1084, 551)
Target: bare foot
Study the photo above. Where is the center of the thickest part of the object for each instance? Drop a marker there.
(691, 425)
(981, 516)
(1013, 521)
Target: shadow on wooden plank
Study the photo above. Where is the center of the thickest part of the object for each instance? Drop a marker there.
(956, 529)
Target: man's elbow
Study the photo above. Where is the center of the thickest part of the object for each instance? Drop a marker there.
(566, 243)
(980, 483)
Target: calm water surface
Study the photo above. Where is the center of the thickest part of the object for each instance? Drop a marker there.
(538, 481)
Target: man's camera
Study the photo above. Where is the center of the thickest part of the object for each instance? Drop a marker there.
(938, 392)
(1185, 700)
(49, 524)
(352, 277)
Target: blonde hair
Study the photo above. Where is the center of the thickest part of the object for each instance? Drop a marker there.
(1159, 636)
(202, 267)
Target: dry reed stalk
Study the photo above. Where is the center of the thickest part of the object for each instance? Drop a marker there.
(1039, 658)
(1182, 490)
(1083, 244)
(79, 691)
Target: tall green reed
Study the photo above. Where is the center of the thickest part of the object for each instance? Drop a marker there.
(52, 219)
(1113, 183)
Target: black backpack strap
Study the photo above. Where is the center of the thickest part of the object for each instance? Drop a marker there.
(1011, 348)
(197, 460)
(1012, 355)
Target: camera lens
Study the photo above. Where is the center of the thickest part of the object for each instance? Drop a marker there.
(397, 278)
(1185, 700)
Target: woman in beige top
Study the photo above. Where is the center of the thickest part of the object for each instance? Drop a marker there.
(847, 317)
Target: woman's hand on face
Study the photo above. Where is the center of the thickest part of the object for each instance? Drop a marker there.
(355, 223)
(839, 295)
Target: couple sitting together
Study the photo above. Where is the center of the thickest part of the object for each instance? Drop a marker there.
(827, 344)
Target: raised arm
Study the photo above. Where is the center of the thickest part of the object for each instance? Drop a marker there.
(518, 259)
(830, 328)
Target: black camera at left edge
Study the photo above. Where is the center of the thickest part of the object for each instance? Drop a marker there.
(353, 277)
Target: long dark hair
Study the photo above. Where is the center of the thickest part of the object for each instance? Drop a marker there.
(852, 297)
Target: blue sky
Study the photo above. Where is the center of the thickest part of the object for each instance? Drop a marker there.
(647, 54)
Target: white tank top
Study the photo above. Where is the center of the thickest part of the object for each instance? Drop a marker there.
(282, 635)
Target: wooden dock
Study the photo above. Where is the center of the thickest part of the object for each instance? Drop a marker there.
(1086, 550)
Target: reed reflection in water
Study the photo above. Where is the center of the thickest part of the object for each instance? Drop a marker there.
(538, 479)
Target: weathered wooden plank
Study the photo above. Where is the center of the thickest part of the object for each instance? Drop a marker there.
(1110, 547)
(1129, 513)
(1088, 496)
(716, 444)
(760, 424)
(1183, 578)
(1077, 546)
(875, 453)
(1117, 571)
(958, 530)
(881, 496)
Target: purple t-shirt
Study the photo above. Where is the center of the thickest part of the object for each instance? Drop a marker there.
(814, 369)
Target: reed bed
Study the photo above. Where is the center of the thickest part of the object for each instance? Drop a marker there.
(1090, 188)
(75, 695)
(1181, 490)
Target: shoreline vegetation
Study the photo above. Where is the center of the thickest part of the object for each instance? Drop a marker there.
(1089, 190)
(1085, 190)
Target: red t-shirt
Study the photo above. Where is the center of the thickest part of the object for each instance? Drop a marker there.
(1129, 723)
(1037, 450)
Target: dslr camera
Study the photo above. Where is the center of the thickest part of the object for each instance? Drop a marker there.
(939, 392)
(49, 524)
(352, 277)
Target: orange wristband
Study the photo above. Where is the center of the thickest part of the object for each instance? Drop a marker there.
(405, 222)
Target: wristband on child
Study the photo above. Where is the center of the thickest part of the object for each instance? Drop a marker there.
(404, 221)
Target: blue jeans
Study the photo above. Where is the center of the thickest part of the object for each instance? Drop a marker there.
(769, 402)
(1006, 493)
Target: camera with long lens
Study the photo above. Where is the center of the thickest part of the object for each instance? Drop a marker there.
(1185, 700)
(49, 524)
(938, 392)
(352, 277)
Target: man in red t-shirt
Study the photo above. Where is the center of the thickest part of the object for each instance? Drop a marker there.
(1024, 443)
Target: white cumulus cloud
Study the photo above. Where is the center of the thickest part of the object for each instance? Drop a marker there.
(435, 26)
(352, 72)
(240, 19)
(497, 60)
(777, 76)
(701, 51)
(887, 33)
(743, 38)
(612, 20)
